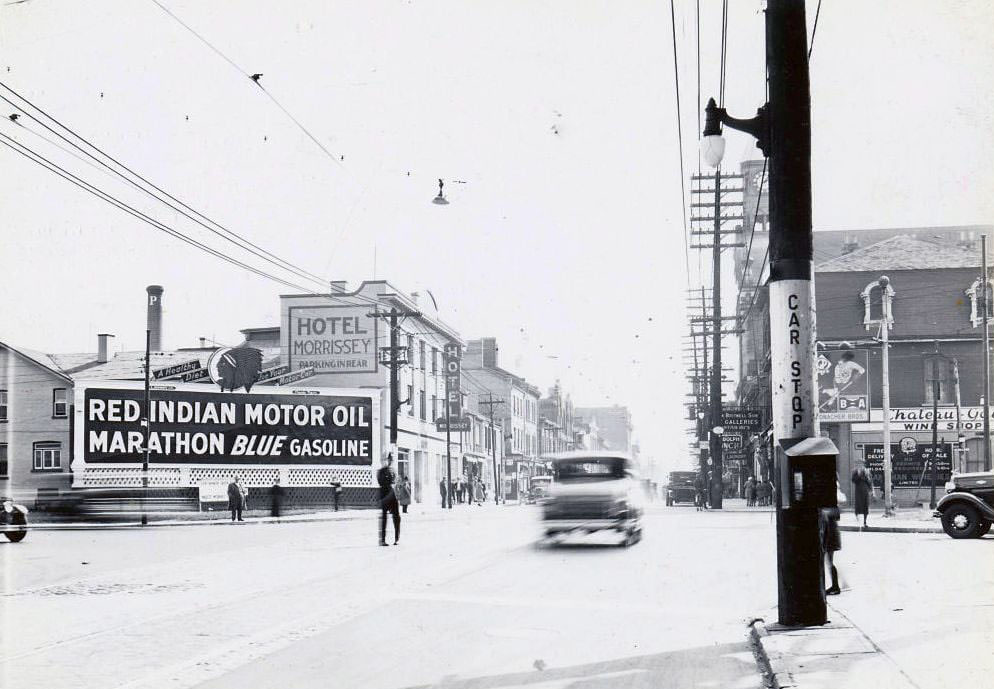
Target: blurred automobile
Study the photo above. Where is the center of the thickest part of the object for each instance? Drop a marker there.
(13, 520)
(680, 487)
(594, 492)
(967, 508)
(539, 490)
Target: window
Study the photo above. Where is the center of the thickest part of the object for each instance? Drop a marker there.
(410, 400)
(47, 456)
(434, 407)
(3, 405)
(60, 407)
(421, 405)
(410, 348)
(939, 370)
(434, 360)
(4, 472)
(422, 356)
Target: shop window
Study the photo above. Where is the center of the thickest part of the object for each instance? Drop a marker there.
(60, 406)
(3, 405)
(938, 369)
(4, 470)
(47, 456)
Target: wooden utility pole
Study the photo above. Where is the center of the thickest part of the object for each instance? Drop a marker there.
(985, 314)
(498, 484)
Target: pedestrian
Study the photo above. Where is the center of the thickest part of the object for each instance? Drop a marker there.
(468, 489)
(862, 486)
(831, 540)
(403, 492)
(750, 491)
(388, 500)
(244, 488)
(700, 493)
(460, 490)
(481, 492)
(442, 492)
(276, 504)
(236, 499)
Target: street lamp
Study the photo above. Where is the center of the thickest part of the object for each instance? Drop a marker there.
(713, 143)
(440, 200)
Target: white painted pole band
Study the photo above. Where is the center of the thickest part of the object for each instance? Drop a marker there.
(792, 345)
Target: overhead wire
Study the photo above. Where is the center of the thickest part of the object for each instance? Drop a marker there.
(184, 209)
(679, 130)
(814, 30)
(217, 51)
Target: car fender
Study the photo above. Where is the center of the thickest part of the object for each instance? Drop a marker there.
(951, 499)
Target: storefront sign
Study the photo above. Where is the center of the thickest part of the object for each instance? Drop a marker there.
(197, 425)
(910, 463)
(453, 367)
(920, 419)
(332, 339)
(748, 419)
(843, 385)
(731, 441)
(455, 424)
(213, 490)
(792, 349)
(175, 369)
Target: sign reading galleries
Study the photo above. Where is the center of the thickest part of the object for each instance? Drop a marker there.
(193, 425)
(331, 339)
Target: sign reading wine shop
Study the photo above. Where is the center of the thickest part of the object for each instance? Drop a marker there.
(191, 424)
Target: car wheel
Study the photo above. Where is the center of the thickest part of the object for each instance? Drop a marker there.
(985, 527)
(18, 536)
(962, 521)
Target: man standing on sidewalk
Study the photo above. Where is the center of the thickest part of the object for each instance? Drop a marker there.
(388, 500)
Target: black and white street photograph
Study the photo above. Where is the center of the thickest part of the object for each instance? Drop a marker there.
(496, 344)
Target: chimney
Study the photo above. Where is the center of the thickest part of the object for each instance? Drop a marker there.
(102, 342)
(203, 343)
(489, 345)
(415, 297)
(155, 316)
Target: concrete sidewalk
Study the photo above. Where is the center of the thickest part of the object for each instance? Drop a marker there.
(837, 656)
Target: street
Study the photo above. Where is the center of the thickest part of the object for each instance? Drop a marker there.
(467, 600)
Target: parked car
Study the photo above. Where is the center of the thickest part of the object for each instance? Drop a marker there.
(680, 487)
(967, 508)
(594, 492)
(13, 520)
(539, 489)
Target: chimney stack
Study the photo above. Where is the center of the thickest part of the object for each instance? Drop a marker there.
(155, 316)
(102, 341)
(203, 343)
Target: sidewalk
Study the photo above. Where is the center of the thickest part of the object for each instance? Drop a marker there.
(129, 520)
(905, 520)
(837, 656)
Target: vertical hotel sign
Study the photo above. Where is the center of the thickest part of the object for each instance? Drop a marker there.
(453, 368)
(331, 339)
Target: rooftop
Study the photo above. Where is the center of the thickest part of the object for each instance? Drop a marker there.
(903, 252)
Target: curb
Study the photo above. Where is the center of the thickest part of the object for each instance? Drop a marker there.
(757, 630)
(891, 529)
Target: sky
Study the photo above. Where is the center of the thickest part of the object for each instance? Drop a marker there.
(565, 240)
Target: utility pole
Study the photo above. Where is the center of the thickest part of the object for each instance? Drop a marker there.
(935, 424)
(498, 484)
(886, 290)
(146, 422)
(394, 357)
(985, 314)
(717, 477)
(783, 130)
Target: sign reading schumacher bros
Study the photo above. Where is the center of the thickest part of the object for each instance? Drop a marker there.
(194, 425)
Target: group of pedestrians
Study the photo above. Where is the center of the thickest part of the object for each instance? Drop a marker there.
(758, 493)
(461, 490)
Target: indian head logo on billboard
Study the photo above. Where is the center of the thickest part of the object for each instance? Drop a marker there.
(235, 367)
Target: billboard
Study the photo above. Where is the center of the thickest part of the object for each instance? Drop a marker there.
(843, 385)
(910, 463)
(332, 339)
(196, 425)
(747, 419)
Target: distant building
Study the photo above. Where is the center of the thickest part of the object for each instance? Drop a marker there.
(614, 425)
(556, 422)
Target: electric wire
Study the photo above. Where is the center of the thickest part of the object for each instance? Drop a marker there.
(217, 51)
(679, 131)
(38, 159)
(752, 235)
(814, 29)
(225, 233)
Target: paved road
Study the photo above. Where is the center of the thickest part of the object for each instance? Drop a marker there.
(466, 600)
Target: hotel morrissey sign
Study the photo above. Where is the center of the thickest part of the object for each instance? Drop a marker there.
(331, 338)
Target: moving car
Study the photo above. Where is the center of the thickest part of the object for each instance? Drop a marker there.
(13, 520)
(539, 489)
(594, 492)
(967, 508)
(680, 487)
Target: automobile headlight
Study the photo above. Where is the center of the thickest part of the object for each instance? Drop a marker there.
(8, 506)
(950, 486)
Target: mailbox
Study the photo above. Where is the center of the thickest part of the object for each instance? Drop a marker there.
(808, 475)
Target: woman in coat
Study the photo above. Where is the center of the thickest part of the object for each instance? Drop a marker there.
(402, 490)
(862, 487)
